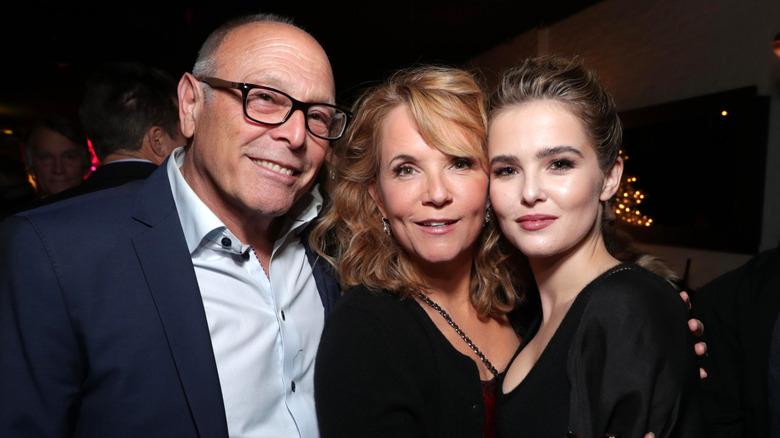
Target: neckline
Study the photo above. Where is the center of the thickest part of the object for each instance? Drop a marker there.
(438, 333)
(577, 306)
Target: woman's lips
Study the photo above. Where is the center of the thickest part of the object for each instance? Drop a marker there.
(533, 222)
(437, 226)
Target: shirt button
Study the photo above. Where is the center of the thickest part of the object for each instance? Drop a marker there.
(283, 318)
(292, 386)
(226, 241)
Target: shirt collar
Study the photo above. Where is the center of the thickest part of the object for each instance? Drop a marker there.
(199, 223)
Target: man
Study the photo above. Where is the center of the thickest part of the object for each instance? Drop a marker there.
(57, 155)
(740, 309)
(130, 113)
(186, 304)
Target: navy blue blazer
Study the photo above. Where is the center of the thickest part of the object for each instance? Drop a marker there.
(102, 326)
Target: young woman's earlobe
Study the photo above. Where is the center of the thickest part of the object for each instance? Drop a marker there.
(612, 180)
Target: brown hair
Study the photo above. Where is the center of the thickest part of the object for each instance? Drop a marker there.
(449, 108)
(570, 82)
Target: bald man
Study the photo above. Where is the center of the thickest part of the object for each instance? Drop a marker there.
(187, 304)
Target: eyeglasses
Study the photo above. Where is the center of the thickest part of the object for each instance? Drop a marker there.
(272, 107)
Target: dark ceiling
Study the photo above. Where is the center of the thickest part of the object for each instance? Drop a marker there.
(50, 52)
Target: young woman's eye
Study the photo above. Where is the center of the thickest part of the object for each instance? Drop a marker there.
(503, 171)
(561, 164)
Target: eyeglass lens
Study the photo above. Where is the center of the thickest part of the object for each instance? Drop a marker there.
(268, 106)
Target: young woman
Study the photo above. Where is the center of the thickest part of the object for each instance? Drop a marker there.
(610, 353)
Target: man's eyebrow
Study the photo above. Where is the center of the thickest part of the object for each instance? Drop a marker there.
(270, 79)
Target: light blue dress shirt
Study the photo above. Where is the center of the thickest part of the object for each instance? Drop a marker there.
(264, 331)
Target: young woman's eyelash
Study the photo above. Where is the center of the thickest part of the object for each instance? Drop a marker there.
(561, 164)
(503, 171)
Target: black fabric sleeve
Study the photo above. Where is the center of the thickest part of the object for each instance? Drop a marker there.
(364, 381)
(629, 361)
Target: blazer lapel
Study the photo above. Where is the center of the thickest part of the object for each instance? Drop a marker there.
(327, 286)
(165, 260)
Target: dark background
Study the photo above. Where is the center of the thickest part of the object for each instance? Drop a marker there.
(50, 51)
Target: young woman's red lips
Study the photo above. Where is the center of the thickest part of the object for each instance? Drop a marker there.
(533, 222)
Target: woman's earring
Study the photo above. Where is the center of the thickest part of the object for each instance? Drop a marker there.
(487, 216)
(386, 226)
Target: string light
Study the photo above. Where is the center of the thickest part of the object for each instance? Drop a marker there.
(626, 206)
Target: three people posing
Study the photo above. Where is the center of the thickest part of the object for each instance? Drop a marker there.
(431, 322)
(190, 304)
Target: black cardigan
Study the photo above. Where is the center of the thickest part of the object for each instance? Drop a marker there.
(383, 369)
(620, 363)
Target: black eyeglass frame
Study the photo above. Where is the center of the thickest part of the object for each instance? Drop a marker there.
(296, 104)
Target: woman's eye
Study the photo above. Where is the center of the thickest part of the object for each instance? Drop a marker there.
(562, 164)
(504, 171)
(462, 163)
(403, 170)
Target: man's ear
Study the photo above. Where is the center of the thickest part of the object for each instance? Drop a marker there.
(377, 199)
(612, 180)
(190, 102)
(154, 137)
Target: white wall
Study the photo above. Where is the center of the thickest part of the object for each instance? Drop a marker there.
(655, 51)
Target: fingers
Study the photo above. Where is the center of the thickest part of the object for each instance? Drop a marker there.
(701, 348)
(696, 327)
(702, 374)
(686, 298)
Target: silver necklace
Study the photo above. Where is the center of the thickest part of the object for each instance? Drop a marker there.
(460, 332)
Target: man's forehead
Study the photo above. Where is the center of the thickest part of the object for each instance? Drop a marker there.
(279, 56)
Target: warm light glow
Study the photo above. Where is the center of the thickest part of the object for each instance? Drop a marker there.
(631, 198)
(776, 44)
(724, 113)
(8, 131)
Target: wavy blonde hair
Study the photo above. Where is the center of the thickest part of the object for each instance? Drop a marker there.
(449, 108)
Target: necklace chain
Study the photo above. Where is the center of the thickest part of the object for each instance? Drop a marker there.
(460, 332)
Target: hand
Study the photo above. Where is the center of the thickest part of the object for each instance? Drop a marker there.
(697, 328)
